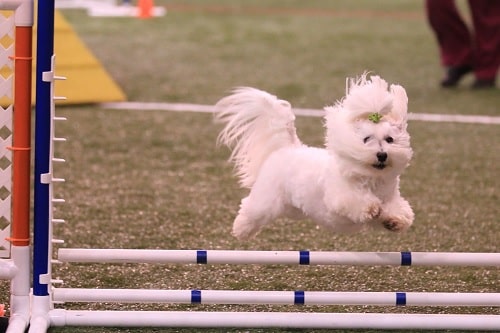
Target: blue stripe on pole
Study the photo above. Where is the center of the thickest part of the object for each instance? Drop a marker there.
(299, 297)
(195, 296)
(304, 258)
(405, 258)
(201, 257)
(400, 299)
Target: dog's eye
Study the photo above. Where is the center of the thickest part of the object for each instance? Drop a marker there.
(389, 139)
(365, 140)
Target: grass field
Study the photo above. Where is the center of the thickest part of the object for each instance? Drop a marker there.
(156, 180)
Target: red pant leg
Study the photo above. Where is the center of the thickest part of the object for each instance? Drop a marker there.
(452, 34)
(486, 43)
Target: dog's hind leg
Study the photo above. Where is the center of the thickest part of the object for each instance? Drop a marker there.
(245, 228)
(254, 214)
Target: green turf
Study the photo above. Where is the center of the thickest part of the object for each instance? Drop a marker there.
(156, 179)
(144, 180)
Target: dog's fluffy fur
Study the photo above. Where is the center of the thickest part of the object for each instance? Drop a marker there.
(351, 184)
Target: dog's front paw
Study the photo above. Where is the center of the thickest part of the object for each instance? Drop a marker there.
(358, 210)
(396, 224)
(371, 212)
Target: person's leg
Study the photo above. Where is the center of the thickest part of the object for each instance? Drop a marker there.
(453, 37)
(486, 21)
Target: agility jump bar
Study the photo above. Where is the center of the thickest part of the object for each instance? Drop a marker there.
(60, 317)
(278, 257)
(298, 297)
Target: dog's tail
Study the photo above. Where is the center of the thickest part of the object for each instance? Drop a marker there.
(257, 124)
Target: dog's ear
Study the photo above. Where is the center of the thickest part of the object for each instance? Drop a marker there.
(399, 112)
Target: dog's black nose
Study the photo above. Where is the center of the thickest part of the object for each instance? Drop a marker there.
(381, 156)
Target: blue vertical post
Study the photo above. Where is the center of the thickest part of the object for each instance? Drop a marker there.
(45, 50)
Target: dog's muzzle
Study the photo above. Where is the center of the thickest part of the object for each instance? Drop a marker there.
(379, 166)
(381, 159)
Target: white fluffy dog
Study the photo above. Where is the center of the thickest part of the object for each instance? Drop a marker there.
(351, 184)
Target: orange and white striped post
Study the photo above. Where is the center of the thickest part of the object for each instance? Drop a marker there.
(21, 163)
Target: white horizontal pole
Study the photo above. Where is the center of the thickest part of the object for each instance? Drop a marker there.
(62, 317)
(275, 297)
(278, 257)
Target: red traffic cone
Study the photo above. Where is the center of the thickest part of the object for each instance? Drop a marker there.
(145, 8)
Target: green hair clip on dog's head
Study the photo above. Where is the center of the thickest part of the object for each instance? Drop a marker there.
(375, 117)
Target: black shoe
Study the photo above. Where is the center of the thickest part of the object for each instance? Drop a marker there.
(483, 84)
(454, 74)
(4, 324)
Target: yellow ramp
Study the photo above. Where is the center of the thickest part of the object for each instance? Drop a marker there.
(87, 81)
